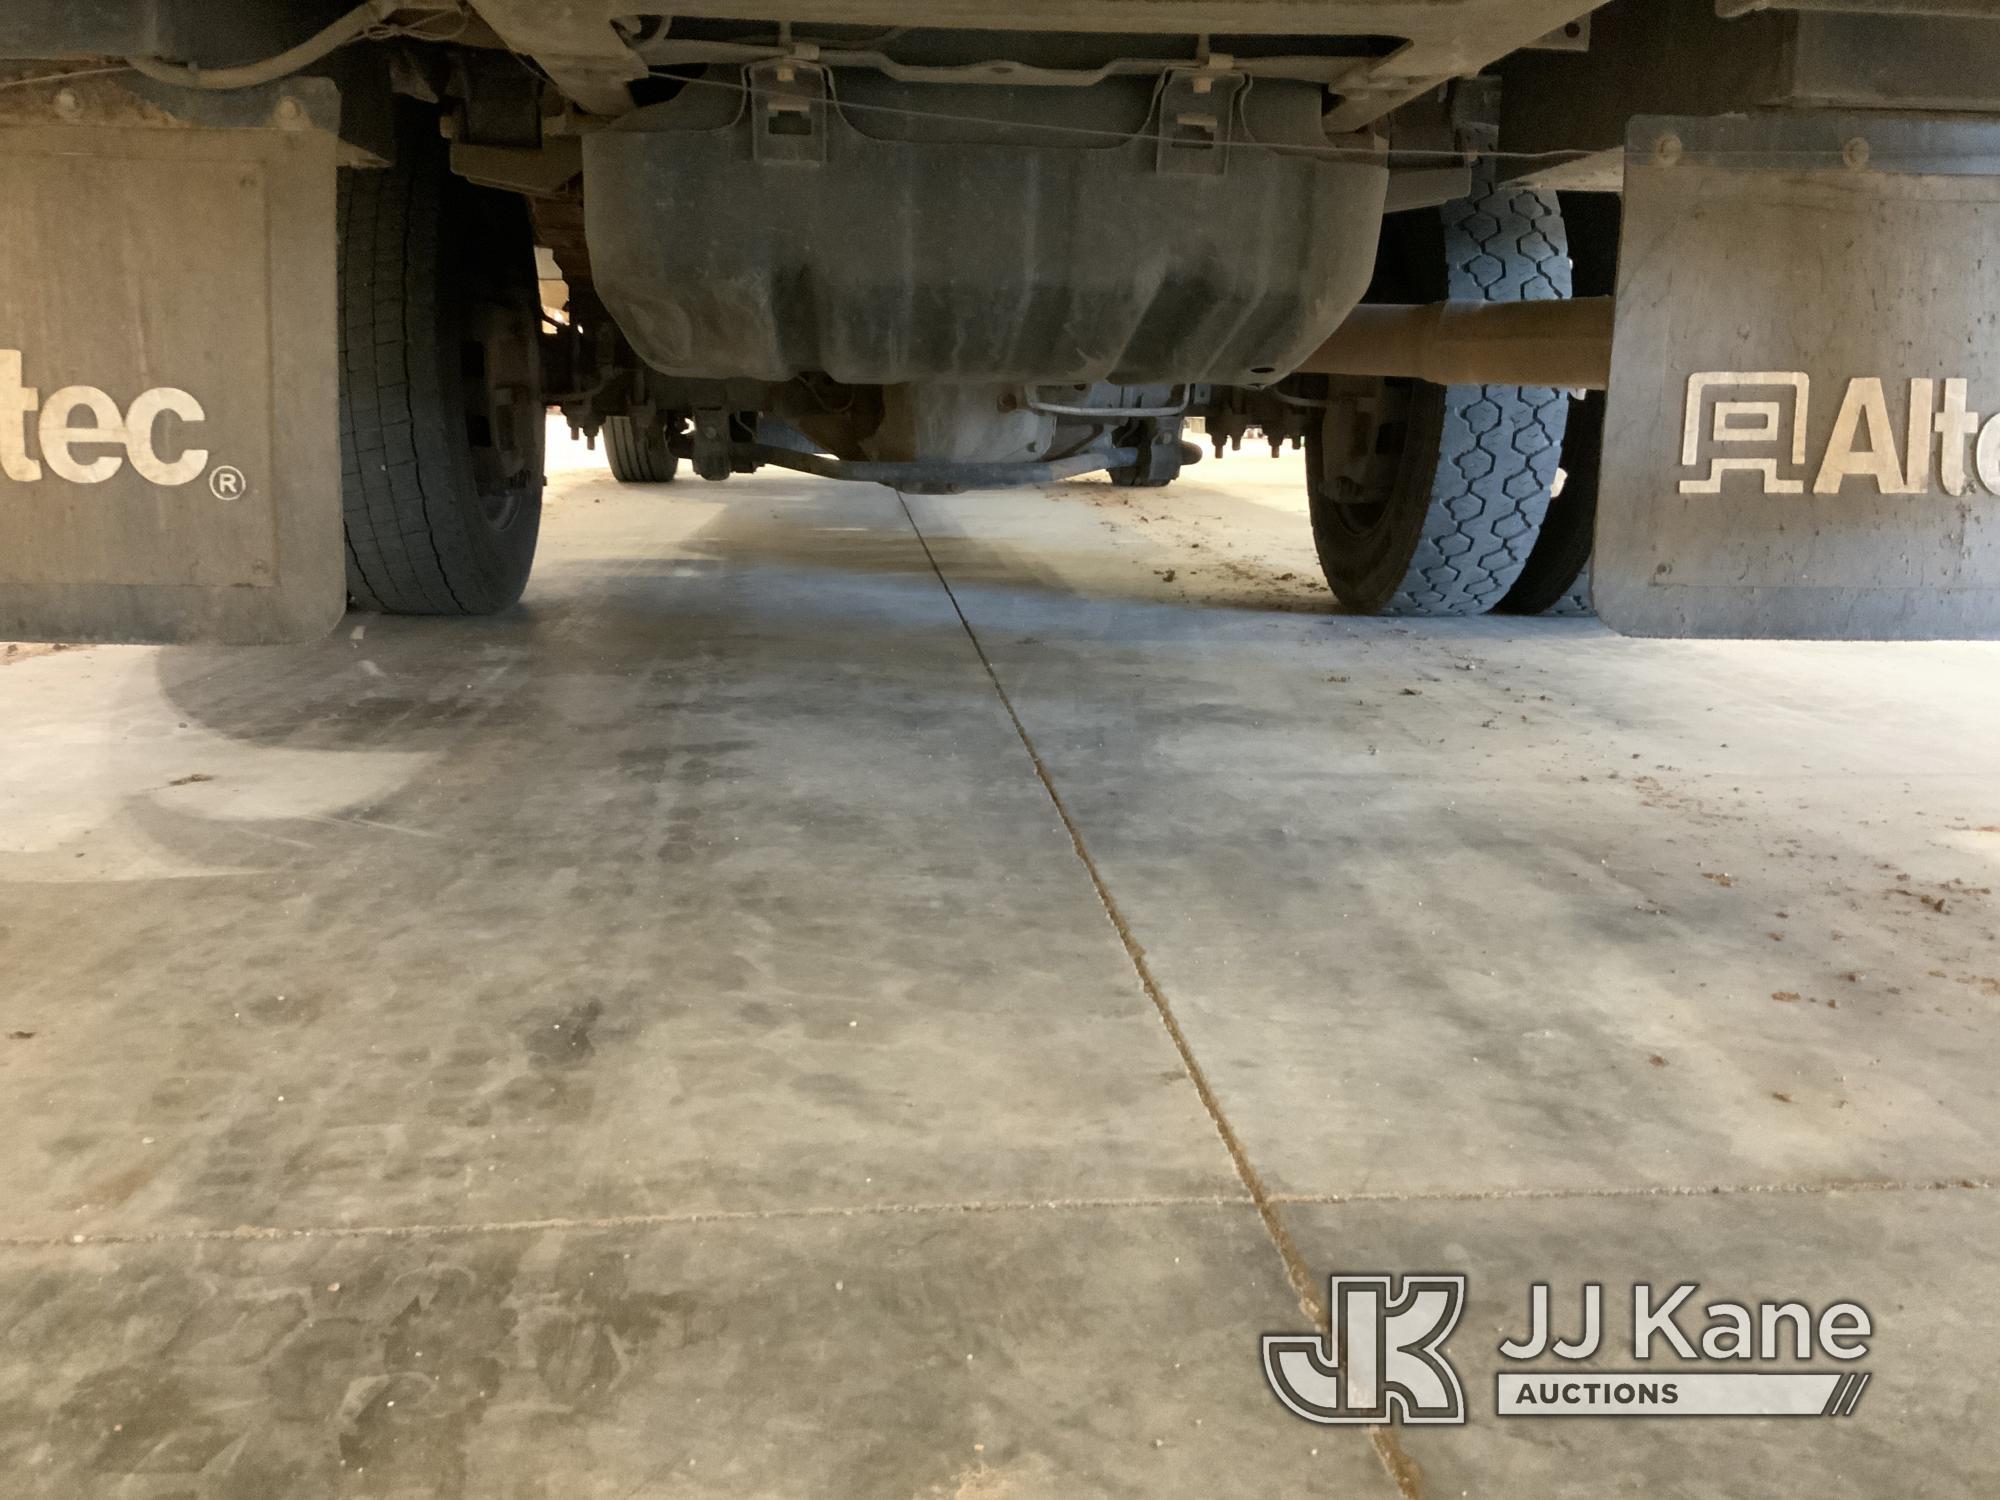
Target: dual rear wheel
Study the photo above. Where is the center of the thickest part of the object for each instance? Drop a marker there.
(1457, 500)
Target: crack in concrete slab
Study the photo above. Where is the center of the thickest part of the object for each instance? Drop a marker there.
(250, 1233)
(1661, 1190)
(256, 1233)
(1295, 1265)
(1403, 1471)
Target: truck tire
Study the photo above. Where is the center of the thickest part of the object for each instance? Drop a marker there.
(1426, 500)
(1556, 580)
(638, 454)
(441, 412)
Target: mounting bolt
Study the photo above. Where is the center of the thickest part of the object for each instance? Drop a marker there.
(1667, 150)
(68, 106)
(288, 112)
(1855, 153)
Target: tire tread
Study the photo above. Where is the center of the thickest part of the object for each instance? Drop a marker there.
(1500, 445)
(632, 454)
(405, 491)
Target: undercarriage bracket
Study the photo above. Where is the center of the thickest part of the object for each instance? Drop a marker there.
(1197, 120)
(788, 103)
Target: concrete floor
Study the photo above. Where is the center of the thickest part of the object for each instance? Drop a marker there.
(667, 1041)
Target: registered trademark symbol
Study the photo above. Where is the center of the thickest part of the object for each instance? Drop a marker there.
(226, 482)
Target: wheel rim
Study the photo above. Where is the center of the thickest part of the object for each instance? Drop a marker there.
(1362, 437)
(501, 360)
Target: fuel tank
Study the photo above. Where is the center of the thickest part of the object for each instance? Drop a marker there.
(790, 219)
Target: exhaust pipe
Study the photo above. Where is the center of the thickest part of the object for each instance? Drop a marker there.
(1562, 343)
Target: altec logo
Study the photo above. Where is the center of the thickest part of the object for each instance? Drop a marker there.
(1754, 422)
(84, 417)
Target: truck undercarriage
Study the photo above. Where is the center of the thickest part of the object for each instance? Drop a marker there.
(921, 245)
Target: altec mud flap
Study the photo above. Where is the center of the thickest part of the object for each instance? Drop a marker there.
(168, 381)
(1803, 431)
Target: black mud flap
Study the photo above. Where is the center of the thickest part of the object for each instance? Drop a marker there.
(1803, 432)
(168, 380)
